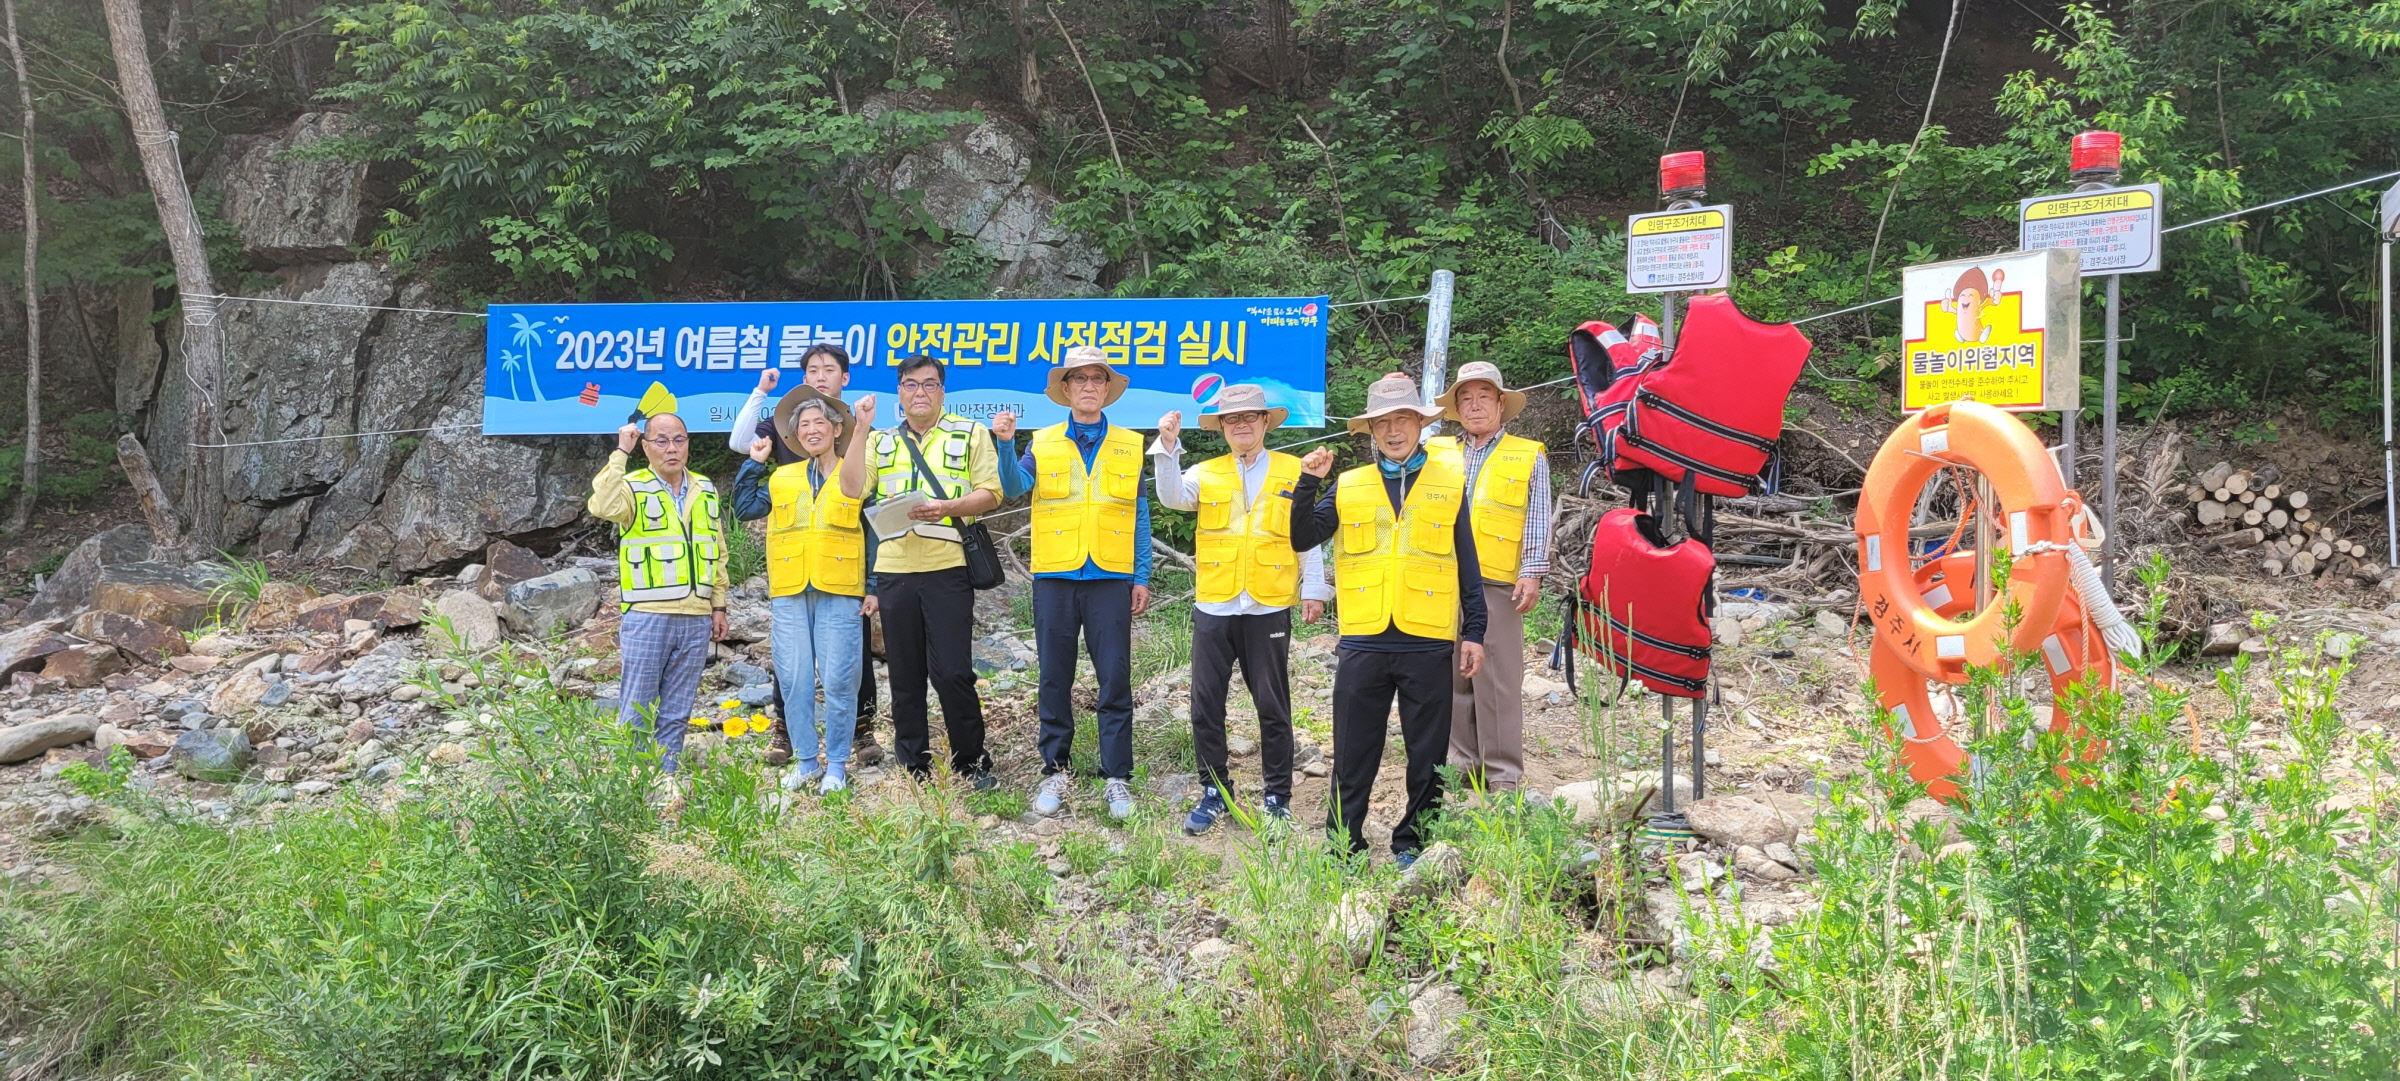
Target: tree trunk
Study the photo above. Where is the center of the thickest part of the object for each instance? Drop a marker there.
(1029, 64)
(33, 289)
(1275, 16)
(162, 166)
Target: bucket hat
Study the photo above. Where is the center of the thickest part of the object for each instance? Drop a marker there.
(1085, 356)
(1394, 393)
(1243, 398)
(1512, 402)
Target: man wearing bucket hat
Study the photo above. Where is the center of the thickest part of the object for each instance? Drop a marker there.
(1248, 578)
(1508, 491)
(816, 574)
(1091, 571)
(1410, 594)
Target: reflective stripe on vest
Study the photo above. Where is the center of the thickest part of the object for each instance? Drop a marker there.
(813, 538)
(1716, 408)
(661, 558)
(1502, 494)
(1645, 604)
(1247, 552)
(948, 449)
(1400, 571)
(1081, 517)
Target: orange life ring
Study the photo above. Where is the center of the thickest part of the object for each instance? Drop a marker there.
(2033, 522)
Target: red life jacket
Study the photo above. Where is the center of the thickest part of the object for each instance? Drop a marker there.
(1608, 366)
(1716, 407)
(1645, 604)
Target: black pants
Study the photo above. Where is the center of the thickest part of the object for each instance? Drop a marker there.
(865, 732)
(928, 619)
(1263, 645)
(1100, 613)
(1364, 684)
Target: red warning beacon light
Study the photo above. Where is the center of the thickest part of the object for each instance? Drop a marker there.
(1683, 174)
(2096, 155)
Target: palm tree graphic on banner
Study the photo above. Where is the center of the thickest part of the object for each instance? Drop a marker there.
(527, 336)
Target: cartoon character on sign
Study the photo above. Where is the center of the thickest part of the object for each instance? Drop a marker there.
(1970, 299)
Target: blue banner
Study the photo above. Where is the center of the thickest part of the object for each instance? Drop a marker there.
(559, 369)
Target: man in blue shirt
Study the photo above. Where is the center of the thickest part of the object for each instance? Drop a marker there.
(1091, 571)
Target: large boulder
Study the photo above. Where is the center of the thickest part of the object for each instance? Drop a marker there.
(69, 589)
(1757, 819)
(552, 603)
(289, 211)
(278, 606)
(385, 608)
(27, 645)
(84, 665)
(145, 640)
(159, 592)
(978, 183)
(20, 742)
(471, 621)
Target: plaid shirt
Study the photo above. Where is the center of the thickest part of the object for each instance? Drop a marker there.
(1533, 560)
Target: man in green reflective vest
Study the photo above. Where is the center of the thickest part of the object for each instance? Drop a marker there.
(670, 576)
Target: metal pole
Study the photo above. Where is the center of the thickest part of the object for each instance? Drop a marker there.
(1666, 758)
(2066, 436)
(1436, 376)
(2108, 438)
(1666, 321)
(2391, 511)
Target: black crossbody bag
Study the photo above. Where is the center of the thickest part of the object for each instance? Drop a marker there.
(983, 556)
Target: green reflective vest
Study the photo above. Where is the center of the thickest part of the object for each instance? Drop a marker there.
(662, 557)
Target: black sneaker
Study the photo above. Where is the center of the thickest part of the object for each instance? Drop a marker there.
(983, 780)
(1204, 814)
(1278, 808)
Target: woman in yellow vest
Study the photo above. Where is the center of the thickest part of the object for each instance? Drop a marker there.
(1410, 595)
(816, 577)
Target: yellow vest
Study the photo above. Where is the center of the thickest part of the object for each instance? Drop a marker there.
(1503, 487)
(948, 449)
(660, 558)
(1400, 571)
(1079, 516)
(1247, 553)
(813, 538)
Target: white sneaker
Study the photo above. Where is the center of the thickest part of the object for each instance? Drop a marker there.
(804, 775)
(1052, 794)
(1120, 800)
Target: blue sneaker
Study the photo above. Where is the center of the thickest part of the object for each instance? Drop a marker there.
(1278, 808)
(1404, 860)
(836, 779)
(1204, 816)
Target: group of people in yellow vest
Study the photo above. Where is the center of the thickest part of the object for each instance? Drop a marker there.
(1437, 549)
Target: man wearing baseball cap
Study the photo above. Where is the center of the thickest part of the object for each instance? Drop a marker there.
(1091, 571)
(1410, 594)
(1247, 579)
(1508, 489)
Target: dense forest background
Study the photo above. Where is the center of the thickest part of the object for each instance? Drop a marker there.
(556, 149)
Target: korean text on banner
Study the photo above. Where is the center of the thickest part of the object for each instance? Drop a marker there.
(561, 369)
(2113, 230)
(2005, 330)
(1679, 250)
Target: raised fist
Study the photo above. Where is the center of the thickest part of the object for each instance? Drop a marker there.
(864, 411)
(627, 437)
(1169, 425)
(760, 448)
(1318, 463)
(767, 380)
(1004, 425)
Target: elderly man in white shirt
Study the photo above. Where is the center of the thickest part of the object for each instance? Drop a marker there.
(1248, 579)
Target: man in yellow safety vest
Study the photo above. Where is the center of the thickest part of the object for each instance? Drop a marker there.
(670, 576)
(1409, 590)
(1248, 579)
(1091, 572)
(1508, 491)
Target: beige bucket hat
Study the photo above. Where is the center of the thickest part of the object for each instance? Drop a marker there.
(1512, 402)
(1243, 398)
(1085, 356)
(1393, 393)
(787, 412)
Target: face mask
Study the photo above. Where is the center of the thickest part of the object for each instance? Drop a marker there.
(1401, 469)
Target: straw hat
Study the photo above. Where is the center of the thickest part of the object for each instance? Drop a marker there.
(1085, 356)
(1512, 402)
(787, 411)
(1393, 393)
(1243, 398)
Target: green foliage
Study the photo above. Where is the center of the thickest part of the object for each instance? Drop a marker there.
(100, 781)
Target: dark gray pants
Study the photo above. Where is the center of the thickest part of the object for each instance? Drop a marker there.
(1099, 612)
(1262, 644)
(1364, 685)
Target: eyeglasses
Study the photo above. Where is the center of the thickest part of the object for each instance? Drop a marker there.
(1242, 418)
(669, 443)
(1095, 379)
(921, 386)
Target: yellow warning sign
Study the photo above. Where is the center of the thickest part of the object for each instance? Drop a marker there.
(2003, 330)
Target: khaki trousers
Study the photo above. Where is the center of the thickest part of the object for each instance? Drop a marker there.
(1487, 713)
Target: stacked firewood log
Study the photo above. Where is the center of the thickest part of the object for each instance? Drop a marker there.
(2253, 510)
